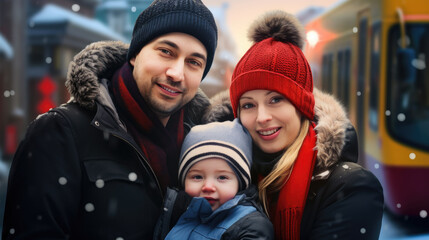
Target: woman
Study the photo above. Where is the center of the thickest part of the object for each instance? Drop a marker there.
(304, 146)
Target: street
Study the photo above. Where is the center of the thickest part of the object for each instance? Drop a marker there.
(403, 228)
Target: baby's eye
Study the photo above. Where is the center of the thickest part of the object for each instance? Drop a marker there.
(197, 177)
(223, 178)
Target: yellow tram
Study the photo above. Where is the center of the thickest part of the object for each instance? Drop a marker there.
(374, 55)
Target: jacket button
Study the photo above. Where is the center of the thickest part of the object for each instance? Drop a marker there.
(97, 123)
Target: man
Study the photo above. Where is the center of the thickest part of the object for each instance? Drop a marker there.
(97, 167)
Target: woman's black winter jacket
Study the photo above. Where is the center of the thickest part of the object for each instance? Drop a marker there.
(345, 201)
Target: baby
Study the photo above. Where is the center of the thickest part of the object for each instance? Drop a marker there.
(214, 169)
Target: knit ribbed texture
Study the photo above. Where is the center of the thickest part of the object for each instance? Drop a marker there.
(167, 16)
(227, 140)
(286, 213)
(275, 66)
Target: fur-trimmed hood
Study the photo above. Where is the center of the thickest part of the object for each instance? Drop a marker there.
(93, 67)
(96, 61)
(336, 137)
(332, 126)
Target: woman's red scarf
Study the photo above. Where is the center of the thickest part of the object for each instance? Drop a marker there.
(161, 145)
(289, 207)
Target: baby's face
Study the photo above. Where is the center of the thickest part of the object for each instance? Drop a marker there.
(212, 179)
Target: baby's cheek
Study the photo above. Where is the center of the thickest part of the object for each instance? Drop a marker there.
(192, 190)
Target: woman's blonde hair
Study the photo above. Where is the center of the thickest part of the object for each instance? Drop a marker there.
(274, 181)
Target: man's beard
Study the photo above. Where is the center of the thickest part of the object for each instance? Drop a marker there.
(158, 107)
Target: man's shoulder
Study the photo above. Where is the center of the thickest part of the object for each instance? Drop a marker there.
(68, 115)
(56, 114)
(71, 111)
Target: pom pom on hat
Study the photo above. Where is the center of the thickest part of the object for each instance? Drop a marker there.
(275, 62)
(280, 26)
(227, 140)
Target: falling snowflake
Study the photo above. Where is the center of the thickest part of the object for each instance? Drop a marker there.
(132, 176)
(62, 180)
(401, 117)
(75, 7)
(387, 112)
(423, 213)
(99, 183)
(89, 207)
(6, 93)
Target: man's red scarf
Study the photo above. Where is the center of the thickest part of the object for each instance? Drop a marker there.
(161, 145)
(286, 212)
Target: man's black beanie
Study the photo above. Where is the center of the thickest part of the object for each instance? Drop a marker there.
(166, 16)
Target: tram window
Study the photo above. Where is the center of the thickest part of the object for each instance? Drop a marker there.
(330, 76)
(407, 100)
(361, 110)
(340, 75)
(343, 76)
(374, 79)
(346, 77)
(362, 44)
(327, 73)
(324, 71)
(422, 64)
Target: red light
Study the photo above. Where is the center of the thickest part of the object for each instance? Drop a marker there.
(45, 105)
(11, 139)
(46, 88)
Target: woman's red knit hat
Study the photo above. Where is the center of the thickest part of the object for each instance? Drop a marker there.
(275, 62)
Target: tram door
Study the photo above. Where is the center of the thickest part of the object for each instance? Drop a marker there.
(363, 23)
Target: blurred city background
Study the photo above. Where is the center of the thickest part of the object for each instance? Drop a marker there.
(372, 55)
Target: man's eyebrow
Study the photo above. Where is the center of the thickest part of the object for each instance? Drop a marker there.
(199, 55)
(169, 43)
(173, 45)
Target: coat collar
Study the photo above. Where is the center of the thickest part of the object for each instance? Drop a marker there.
(331, 127)
(97, 61)
(201, 209)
